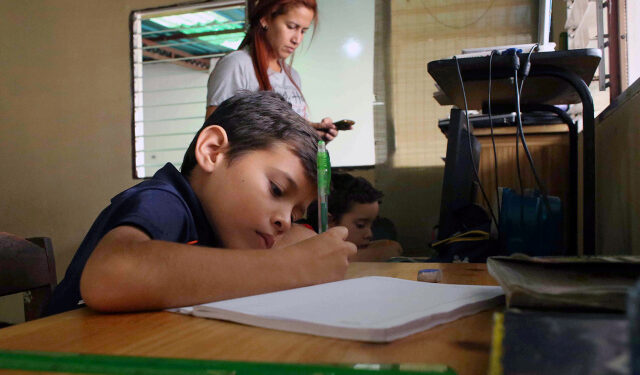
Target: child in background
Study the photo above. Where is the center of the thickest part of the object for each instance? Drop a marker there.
(207, 233)
(354, 203)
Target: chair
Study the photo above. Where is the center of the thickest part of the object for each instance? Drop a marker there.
(27, 265)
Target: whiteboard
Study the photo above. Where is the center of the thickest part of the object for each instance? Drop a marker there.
(336, 69)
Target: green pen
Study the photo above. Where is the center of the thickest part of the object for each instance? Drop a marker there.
(324, 182)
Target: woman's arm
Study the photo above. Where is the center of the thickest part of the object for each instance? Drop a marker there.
(228, 77)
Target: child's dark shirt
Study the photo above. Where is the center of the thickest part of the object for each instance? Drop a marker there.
(164, 207)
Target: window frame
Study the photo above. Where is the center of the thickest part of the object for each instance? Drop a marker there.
(137, 69)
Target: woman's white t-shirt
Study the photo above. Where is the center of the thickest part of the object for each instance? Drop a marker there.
(235, 72)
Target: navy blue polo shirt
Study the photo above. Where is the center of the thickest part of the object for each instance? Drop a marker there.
(165, 207)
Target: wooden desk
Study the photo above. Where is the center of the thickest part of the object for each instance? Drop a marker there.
(463, 344)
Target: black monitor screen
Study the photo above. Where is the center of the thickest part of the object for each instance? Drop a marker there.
(458, 186)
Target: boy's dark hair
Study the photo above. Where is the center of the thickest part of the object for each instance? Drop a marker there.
(346, 190)
(255, 121)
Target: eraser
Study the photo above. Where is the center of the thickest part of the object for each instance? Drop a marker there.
(430, 275)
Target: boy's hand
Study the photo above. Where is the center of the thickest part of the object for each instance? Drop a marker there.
(322, 258)
(297, 233)
(378, 251)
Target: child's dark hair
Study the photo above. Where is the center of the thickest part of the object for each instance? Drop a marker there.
(346, 190)
(255, 121)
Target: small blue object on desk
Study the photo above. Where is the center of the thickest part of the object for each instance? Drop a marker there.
(430, 275)
(527, 226)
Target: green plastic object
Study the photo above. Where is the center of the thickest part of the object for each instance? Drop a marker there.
(129, 365)
(324, 184)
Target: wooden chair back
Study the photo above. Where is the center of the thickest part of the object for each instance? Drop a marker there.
(27, 265)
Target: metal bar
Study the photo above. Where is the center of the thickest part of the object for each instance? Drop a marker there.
(170, 104)
(589, 156)
(572, 204)
(601, 67)
(614, 50)
(184, 58)
(216, 5)
(136, 82)
(199, 41)
(171, 119)
(196, 35)
(175, 52)
(171, 89)
(191, 65)
(176, 164)
(164, 135)
(192, 27)
(163, 149)
(544, 21)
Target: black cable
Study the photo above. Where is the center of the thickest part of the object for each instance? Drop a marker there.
(515, 61)
(493, 140)
(520, 184)
(527, 66)
(524, 145)
(525, 73)
(473, 163)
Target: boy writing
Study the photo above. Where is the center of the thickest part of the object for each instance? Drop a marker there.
(208, 232)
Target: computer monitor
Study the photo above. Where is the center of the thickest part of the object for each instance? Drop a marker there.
(458, 186)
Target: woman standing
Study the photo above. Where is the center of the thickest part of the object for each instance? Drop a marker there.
(276, 29)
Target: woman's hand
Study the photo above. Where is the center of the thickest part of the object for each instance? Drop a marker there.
(326, 130)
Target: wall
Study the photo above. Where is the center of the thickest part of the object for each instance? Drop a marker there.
(65, 137)
(618, 175)
(335, 64)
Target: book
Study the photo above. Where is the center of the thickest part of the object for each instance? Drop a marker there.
(372, 309)
(568, 343)
(584, 283)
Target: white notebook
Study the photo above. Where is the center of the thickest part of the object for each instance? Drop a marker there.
(376, 309)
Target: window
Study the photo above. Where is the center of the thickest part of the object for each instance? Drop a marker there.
(606, 25)
(629, 42)
(173, 51)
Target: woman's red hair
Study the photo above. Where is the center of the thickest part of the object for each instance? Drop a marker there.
(256, 38)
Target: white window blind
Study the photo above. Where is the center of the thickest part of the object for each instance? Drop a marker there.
(173, 51)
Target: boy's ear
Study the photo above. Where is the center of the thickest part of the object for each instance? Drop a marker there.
(211, 144)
